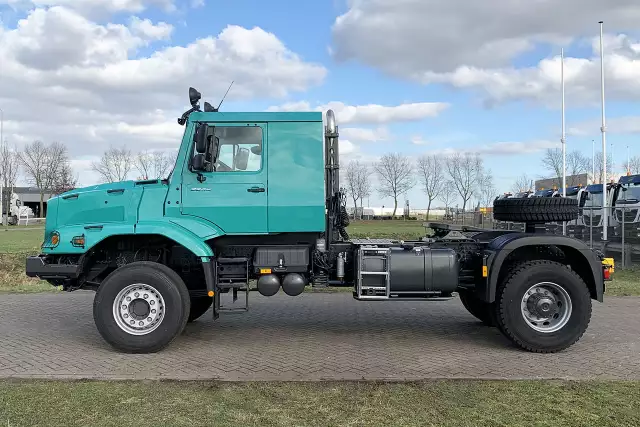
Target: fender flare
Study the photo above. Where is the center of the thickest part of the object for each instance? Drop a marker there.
(500, 248)
(196, 243)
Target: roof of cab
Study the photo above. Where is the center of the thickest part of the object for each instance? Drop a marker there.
(257, 117)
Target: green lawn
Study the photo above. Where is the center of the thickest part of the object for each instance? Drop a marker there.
(441, 403)
(19, 242)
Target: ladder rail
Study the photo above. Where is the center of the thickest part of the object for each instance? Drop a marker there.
(376, 253)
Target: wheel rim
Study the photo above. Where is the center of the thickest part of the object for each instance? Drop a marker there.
(546, 307)
(138, 309)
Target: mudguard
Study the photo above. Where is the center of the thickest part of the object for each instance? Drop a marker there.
(500, 247)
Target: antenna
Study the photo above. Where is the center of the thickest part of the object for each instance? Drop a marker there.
(225, 95)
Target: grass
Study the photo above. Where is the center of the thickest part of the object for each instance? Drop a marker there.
(441, 403)
(19, 242)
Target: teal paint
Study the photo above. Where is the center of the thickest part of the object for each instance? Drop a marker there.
(290, 168)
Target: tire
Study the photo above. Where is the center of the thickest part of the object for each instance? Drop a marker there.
(199, 306)
(561, 283)
(536, 209)
(481, 310)
(165, 289)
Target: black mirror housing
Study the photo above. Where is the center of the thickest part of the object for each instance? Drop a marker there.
(200, 138)
(198, 163)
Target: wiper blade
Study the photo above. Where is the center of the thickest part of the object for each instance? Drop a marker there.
(628, 201)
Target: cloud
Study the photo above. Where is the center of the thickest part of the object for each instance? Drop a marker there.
(413, 36)
(502, 148)
(366, 134)
(94, 8)
(627, 125)
(370, 113)
(473, 45)
(67, 78)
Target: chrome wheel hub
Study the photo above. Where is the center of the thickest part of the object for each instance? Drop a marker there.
(546, 307)
(138, 309)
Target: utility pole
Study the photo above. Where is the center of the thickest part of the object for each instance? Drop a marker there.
(593, 161)
(603, 130)
(563, 141)
(4, 172)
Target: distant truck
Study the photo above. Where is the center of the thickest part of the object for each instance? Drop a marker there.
(627, 200)
(16, 210)
(254, 198)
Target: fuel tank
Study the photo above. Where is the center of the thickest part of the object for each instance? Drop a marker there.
(418, 269)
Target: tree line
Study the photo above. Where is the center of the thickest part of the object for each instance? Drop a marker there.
(441, 177)
(117, 164)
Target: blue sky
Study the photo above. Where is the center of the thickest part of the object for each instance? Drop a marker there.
(504, 104)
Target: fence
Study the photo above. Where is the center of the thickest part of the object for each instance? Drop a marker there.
(623, 230)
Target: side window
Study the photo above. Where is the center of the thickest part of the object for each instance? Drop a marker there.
(240, 148)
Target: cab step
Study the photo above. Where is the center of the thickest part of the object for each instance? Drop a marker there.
(232, 275)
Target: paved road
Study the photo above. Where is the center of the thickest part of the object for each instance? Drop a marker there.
(310, 337)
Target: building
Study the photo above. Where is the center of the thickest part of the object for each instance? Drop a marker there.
(571, 180)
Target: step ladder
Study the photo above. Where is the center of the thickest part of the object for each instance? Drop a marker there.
(235, 283)
(373, 285)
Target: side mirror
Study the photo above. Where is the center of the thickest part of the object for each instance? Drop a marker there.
(583, 199)
(198, 162)
(200, 138)
(242, 159)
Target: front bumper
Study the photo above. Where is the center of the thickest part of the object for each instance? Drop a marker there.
(37, 266)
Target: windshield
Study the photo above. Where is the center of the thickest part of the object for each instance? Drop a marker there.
(594, 200)
(631, 195)
(543, 193)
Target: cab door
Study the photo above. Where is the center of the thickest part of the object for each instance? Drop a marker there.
(233, 195)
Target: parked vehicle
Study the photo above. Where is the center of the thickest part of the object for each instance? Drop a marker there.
(628, 199)
(592, 214)
(16, 210)
(250, 198)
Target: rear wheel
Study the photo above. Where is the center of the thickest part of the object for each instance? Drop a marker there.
(543, 306)
(483, 311)
(141, 307)
(199, 306)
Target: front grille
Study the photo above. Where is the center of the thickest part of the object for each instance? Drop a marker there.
(592, 221)
(629, 215)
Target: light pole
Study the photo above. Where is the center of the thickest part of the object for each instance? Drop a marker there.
(563, 141)
(603, 129)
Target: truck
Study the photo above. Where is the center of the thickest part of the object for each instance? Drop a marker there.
(592, 214)
(627, 200)
(254, 202)
(15, 210)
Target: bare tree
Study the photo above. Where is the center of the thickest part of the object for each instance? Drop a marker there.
(523, 183)
(43, 165)
(364, 184)
(634, 165)
(448, 195)
(576, 164)
(9, 166)
(465, 171)
(352, 175)
(487, 188)
(395, 172)
(114, 165)
(430, 168)
(65, 181)
(153, 165)
(599, 169)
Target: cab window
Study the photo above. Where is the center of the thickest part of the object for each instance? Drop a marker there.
(240, 149)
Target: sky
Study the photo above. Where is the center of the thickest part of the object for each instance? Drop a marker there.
(407, 76)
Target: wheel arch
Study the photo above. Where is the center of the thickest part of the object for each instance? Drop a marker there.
(503, 251)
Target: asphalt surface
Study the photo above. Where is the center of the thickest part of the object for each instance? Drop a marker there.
(315, 336)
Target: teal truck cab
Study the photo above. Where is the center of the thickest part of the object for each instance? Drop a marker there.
(253, 201)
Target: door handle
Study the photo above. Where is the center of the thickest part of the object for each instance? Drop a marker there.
(256, 190)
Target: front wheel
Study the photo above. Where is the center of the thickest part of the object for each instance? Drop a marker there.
(543, 306)
(141, 307)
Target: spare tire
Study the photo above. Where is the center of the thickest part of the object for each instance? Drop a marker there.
(536, 209)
